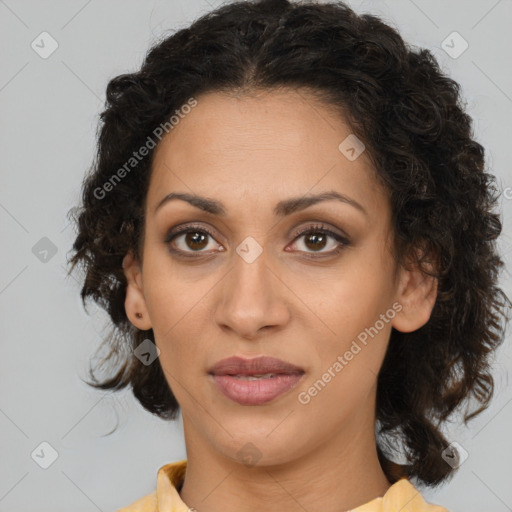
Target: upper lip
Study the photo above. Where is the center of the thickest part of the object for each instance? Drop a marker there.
(256, 366)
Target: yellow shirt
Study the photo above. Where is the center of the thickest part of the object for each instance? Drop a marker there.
(401, 496)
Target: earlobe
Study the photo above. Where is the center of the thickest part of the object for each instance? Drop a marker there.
(417, 294)
(135, 303)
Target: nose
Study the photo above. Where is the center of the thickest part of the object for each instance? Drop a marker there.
(252, 299)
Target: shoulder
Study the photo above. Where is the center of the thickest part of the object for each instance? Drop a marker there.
(406, 497)
(147, 503)
(165, 496)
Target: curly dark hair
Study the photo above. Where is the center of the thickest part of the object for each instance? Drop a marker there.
(419, 139)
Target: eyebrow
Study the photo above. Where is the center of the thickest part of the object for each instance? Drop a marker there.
(282, 208)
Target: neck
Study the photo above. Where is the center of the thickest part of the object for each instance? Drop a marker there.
(338, 475)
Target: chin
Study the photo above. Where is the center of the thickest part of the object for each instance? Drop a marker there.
(261, 449)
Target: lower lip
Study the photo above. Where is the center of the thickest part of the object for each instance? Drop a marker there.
(255, 392)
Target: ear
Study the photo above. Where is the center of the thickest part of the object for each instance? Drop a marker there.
(135, 303)
(417, 293)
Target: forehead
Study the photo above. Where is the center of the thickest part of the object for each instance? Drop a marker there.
(263, 146)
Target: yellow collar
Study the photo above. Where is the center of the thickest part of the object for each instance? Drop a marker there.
(402, 495)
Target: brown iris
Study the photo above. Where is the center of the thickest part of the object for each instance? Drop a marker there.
(194, 239)
(317, 241)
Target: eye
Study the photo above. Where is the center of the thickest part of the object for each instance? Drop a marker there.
(316, 238)
(189, 239)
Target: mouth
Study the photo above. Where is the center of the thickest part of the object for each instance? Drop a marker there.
(258, 366)
(254, 381)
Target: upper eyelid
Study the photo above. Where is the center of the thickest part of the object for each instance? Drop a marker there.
(318, 225)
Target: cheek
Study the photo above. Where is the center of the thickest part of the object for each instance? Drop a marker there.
(172, 292)
(350, 310)
(351, 301)
(344, 382)
(178, 308)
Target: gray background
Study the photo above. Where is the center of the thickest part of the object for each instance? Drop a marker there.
(49, 112)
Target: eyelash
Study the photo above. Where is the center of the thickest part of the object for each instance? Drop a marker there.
(317, 229)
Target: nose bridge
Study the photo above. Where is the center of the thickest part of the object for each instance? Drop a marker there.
(249, 276)
(250, 298)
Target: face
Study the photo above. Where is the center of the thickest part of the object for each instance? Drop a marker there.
(272, 274)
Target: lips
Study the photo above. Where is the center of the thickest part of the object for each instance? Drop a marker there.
(255, 381)
(253, 367)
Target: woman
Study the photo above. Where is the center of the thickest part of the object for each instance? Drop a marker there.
(291, 228)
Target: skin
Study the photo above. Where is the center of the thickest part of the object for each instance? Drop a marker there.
(249, 152)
